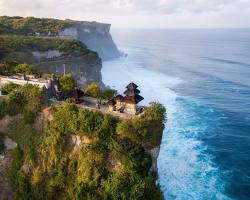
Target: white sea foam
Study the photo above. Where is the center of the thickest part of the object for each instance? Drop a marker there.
(185, 170)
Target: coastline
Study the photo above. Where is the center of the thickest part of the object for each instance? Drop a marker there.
(182, 161)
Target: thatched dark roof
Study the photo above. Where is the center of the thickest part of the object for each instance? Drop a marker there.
(132, 92)
(133, 99)
(132, 86)
(119, 97)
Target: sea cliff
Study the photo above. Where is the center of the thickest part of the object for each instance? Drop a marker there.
(52, 55)
(95, 35)
(82, 154)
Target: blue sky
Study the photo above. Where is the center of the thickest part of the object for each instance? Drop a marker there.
(139, 13)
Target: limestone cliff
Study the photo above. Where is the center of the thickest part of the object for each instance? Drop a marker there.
(53, 55)
(85, 69)
(95, 35)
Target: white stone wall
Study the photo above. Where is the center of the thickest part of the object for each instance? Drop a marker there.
(130, 108)
(41, 84)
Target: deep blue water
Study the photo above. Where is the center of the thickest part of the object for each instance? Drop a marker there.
(203, 78)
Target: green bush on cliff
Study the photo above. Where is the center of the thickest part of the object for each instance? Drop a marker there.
(106, 165)
(19, 48)
(26, 100)
(92, 90)
(108, 94)
(24, 69)
(31, 25)
(147, 129)
(9, 87)
(67, 83)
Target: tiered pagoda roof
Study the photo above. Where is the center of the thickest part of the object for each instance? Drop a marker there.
(132, 94)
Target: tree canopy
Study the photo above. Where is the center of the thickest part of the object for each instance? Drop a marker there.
(67, 83)
(24, 68)
(92, 90)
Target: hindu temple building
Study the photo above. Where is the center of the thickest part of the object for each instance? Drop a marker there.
(132, 98)
(127, 103)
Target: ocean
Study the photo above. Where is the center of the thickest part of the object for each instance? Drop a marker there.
(202, 76)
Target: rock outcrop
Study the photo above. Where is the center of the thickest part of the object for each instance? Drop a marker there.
(95, 35)
(85, 69)
(154, 153)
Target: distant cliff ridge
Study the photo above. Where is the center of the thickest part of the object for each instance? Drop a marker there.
(95, 35)
(53, 55)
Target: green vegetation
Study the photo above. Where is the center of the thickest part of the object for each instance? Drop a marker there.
(26, 100)
(9, 87)
(24, 69)
(7, 68)
(148, 127)
(108, 94)
(92, 90)
(32, 25)
(19, 48)
(107, 165)
(67, 83)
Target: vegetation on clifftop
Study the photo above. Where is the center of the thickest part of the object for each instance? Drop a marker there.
(19, 48)
(105, 165)
(31, 25)
(26, 100)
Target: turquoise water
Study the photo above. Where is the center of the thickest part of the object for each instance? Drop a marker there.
(203, 78)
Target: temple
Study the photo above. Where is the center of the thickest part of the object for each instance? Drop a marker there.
(128, 103)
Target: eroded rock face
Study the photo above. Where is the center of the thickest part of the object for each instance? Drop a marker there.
(76, 142)
(85, 69)
(154, 153)
(96, 36)
(47, 54)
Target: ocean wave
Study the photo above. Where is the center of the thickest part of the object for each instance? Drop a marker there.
(186, 170)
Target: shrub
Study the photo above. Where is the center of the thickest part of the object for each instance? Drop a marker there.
(108, 94)
(9, 87)
(145, 130)
(67, 83)
(26, 100)
(92, 90)
(24, 68)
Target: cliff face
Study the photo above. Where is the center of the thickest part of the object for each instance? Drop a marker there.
(95, 35)
(51, 54)
(85, 69)
(40, 41)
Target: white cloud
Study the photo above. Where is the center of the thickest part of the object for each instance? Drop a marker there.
(134, 12)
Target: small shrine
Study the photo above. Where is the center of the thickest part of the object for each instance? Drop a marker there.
(127, 103)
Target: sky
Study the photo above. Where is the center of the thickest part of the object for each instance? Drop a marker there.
(138, 13)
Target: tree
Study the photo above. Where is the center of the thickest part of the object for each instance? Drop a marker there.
(9, 87)
(93, 90)
(67, 83)
(108, 94)
(24, 68)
